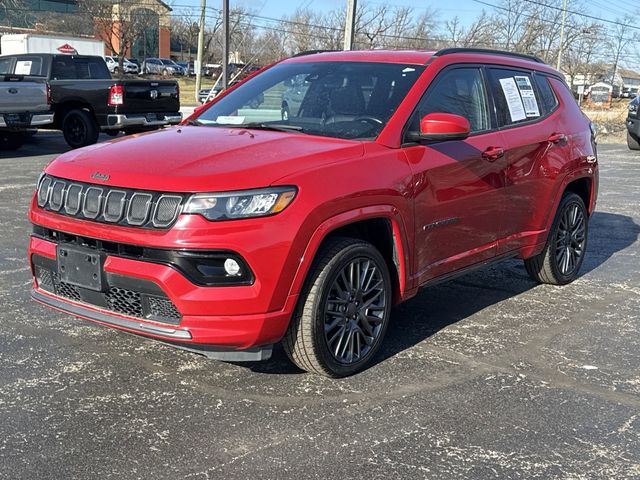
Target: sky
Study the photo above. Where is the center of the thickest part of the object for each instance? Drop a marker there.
(466, 10)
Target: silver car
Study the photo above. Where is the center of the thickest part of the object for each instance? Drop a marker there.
(114, 66)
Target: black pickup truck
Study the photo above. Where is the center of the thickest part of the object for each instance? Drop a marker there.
(86, 100)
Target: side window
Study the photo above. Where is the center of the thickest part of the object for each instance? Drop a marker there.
(548, 100)
(62, 68)
(6, 66)
(459, 91)
(514, 96)
(98, 70)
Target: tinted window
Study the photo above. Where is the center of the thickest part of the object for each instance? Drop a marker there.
(5, 65)
(461, 92)
(548, 100)
(68, 68)
(515, 98)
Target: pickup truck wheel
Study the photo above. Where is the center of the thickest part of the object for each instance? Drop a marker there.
(343, 312)
(11, 140)
(632, 142)
(112, 133)
(79, 129)
(562, 257)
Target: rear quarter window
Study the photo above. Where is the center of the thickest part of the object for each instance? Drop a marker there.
(547, 100)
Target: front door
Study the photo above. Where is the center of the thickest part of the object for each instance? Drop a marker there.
(458, 185)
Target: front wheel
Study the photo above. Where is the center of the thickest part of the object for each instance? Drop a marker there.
(11, 140)
(562, 257)
(632, 142)
(343, 312)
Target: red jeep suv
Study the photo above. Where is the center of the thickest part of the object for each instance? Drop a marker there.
(304, 202)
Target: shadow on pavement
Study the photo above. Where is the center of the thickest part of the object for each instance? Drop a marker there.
(442, 305)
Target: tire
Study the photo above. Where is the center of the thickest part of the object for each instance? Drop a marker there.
(116, 70)
(562, 257)
(112, 133)
(11, 140)
(318, 337)
(79, 129)
(632, 141)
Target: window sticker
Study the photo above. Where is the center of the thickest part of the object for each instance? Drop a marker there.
(230, 120)
(23, 67)
(528, 96)
(514, 102)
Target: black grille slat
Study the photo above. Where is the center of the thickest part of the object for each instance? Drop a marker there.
(125, 301)
(156, 306)
(106, 204)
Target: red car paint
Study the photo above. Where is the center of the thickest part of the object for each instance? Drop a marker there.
(450, 205)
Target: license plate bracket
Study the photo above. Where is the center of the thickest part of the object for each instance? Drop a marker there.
(79, 266)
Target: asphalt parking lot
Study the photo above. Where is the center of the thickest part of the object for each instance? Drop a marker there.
(487, 376)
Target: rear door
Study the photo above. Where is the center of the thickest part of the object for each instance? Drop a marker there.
(524, 111)
(457, 184)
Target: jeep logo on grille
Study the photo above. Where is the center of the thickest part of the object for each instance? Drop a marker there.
(154, 94)
(100, 176)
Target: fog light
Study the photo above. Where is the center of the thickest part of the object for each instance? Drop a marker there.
(231, 267)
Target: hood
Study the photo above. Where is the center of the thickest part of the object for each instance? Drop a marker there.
(201, 159)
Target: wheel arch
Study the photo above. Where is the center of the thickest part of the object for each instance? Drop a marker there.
(381, 226)
(65, 107)
(582, 186)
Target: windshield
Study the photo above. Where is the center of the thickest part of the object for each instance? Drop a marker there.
(351, 100)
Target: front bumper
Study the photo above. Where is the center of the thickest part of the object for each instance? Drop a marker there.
(30, 120)
(119, 121)
(200, 324)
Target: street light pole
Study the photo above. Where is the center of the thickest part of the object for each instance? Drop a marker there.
(349, 26)
(198, 65)
(564, 20)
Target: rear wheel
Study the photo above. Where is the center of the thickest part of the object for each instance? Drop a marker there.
(562, 257)
(79, 129)
(11, 140)
(344, 310)
(632, 142)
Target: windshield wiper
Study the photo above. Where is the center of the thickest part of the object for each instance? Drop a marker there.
(267, 126)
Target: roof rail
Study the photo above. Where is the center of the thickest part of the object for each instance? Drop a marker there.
(448, 51)
(311, 52)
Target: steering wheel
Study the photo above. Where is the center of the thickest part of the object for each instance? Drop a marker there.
(375, 121)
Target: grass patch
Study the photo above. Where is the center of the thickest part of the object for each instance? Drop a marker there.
(188, 89)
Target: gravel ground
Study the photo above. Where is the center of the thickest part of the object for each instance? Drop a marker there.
(487, 376)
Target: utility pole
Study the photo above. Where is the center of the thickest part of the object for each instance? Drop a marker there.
(564, 20)
(350, 23)
(198, 64)
(225, 44)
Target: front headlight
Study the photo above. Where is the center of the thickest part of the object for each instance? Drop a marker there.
(633, 107)
(241, 204)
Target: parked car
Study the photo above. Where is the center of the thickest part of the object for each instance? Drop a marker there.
(24, 106)
(240, 229)
(127, 66)
(161, 66)
(85, 100)
(205, 94)
(189, 68)
(633, 124)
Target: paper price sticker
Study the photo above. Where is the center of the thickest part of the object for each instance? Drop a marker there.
(514, 102)
(528, 96)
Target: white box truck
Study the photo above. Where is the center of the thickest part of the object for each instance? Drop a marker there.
(16, 43)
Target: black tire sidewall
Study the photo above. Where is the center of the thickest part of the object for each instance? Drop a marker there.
(567, 201)
(91, 131)
(11, 140)
(632, 141)
(336, 265)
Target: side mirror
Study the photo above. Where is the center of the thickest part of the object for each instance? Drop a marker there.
(442, 126)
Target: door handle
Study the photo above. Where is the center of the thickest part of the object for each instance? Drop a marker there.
(491, 154)
(557, 137)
